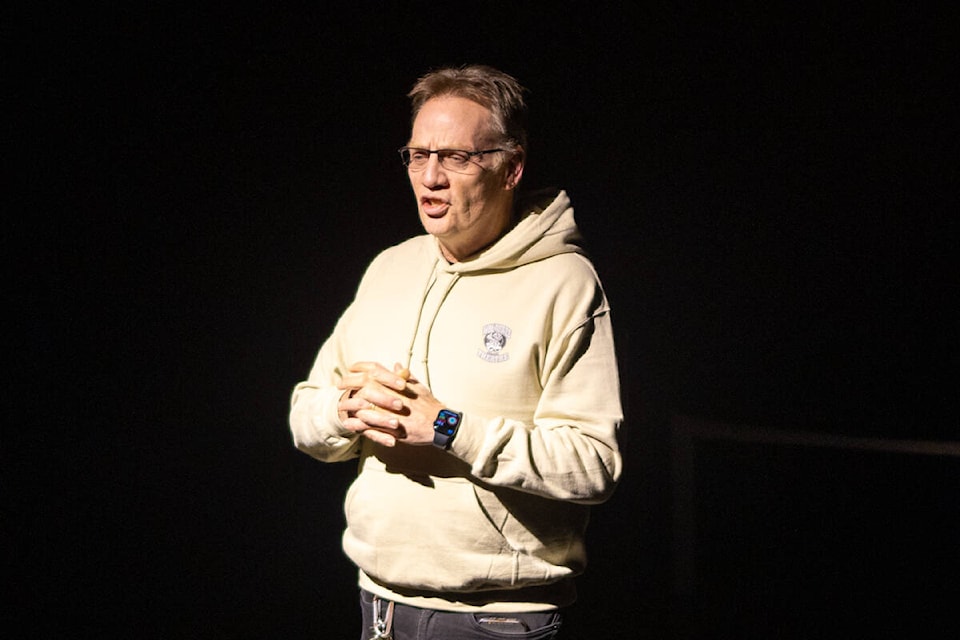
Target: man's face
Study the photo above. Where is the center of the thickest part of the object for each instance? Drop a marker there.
(465, 211)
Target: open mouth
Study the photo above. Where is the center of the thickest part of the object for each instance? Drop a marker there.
(434, 206)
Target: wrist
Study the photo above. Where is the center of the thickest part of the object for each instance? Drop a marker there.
(445, 427)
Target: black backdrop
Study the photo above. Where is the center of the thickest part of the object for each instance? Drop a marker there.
(200, 188)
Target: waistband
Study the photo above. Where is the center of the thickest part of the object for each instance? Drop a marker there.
(533, 598)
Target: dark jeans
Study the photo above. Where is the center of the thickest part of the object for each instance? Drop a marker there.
(411, 623)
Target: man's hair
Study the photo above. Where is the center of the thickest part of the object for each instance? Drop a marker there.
(488, 87)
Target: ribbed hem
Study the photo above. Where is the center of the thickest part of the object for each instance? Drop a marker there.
(533, 598)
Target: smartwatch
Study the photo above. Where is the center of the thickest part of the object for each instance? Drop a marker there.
(445, 427)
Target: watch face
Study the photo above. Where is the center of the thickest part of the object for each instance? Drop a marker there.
(446, 422)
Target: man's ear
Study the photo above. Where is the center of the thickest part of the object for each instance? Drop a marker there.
(515, 169)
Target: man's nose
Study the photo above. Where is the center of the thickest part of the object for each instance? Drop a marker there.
(433, 173)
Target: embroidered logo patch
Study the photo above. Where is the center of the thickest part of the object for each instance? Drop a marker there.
(495, 338)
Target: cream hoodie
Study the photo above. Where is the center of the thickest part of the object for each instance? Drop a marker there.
(518, 339)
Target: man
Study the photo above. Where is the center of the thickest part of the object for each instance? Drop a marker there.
(474, 377)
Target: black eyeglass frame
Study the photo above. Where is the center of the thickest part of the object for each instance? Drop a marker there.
(441, 154)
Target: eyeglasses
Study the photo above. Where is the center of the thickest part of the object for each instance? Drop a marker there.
(456, 160)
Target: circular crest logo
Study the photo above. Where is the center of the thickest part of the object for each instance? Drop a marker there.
(495, 338)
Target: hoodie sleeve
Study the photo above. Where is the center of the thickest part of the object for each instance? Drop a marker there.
(571, 450)
(314, 420)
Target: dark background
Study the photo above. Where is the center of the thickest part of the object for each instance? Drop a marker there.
(766, 193)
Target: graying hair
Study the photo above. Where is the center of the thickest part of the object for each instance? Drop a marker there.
(488, 87)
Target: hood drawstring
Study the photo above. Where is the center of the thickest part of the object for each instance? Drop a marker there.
(431, 282)
(433, 319)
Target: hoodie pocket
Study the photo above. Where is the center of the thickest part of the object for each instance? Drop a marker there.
(425, 533)
(546, 535)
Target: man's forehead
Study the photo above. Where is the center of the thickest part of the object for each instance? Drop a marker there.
(453, 117)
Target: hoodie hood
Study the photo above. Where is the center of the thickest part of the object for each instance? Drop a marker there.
(545, 228)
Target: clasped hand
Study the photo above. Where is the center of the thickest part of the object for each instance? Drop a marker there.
(387, 406)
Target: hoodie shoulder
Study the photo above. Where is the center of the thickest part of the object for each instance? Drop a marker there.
(420, 248)
(412, 256)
